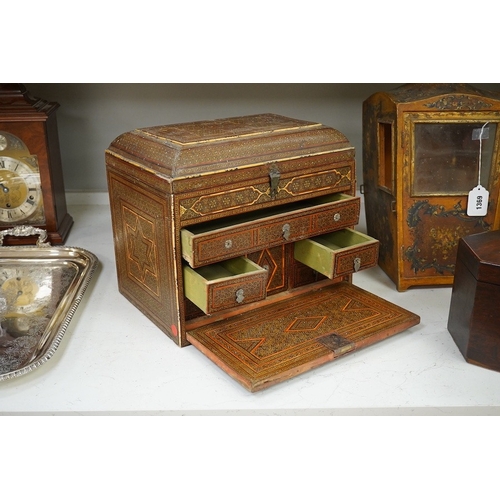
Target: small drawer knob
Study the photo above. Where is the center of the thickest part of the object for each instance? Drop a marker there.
(228, 244)
(240, 295)
(336, 217)
(357, 264)
(286, 231)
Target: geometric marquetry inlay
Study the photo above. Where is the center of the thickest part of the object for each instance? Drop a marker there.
(142, 255)
(267, 261)
(305, 323)
(321, 325)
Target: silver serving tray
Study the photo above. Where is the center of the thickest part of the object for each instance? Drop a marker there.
(40, 289)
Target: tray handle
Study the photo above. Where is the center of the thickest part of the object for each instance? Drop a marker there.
(19, 231)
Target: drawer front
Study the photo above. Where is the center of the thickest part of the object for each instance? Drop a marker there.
(338, 254)
(251, 194)
(224, 285)
(296, 222)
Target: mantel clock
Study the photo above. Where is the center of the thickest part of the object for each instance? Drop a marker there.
(431, 166)
(31, 179)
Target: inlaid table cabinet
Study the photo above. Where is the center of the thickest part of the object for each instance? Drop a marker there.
(421, 155)
(214, 227)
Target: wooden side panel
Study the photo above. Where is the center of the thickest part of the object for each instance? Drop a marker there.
(461, 306)
(145, 252)
(381, 197)
(484, 342)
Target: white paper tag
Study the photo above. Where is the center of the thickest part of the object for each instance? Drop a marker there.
(478, 201)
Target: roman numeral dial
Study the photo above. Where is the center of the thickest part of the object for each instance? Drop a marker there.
(20, 191)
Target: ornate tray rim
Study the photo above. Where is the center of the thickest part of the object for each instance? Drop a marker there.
(54, 333)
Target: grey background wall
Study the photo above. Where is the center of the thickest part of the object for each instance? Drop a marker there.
(92, 115)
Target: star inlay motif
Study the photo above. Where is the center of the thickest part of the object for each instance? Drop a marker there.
(141, 250)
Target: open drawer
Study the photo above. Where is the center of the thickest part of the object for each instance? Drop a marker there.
(226, 284)
(229, 237)
(338, 254)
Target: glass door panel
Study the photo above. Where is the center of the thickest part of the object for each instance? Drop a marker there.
(446, 157)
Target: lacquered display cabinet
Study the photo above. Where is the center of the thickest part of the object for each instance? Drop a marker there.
(425, 148)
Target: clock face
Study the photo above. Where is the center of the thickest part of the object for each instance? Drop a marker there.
(20, 192)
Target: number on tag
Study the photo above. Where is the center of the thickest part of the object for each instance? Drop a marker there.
(477, 204)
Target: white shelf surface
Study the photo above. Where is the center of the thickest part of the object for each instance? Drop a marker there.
(113, 360)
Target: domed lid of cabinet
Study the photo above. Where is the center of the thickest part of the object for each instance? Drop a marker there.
(187, 149)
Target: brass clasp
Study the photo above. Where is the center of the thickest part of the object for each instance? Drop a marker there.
(274, 177)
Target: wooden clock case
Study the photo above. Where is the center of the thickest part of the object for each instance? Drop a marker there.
(214, 224)
(33, 120)
(419, 163)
